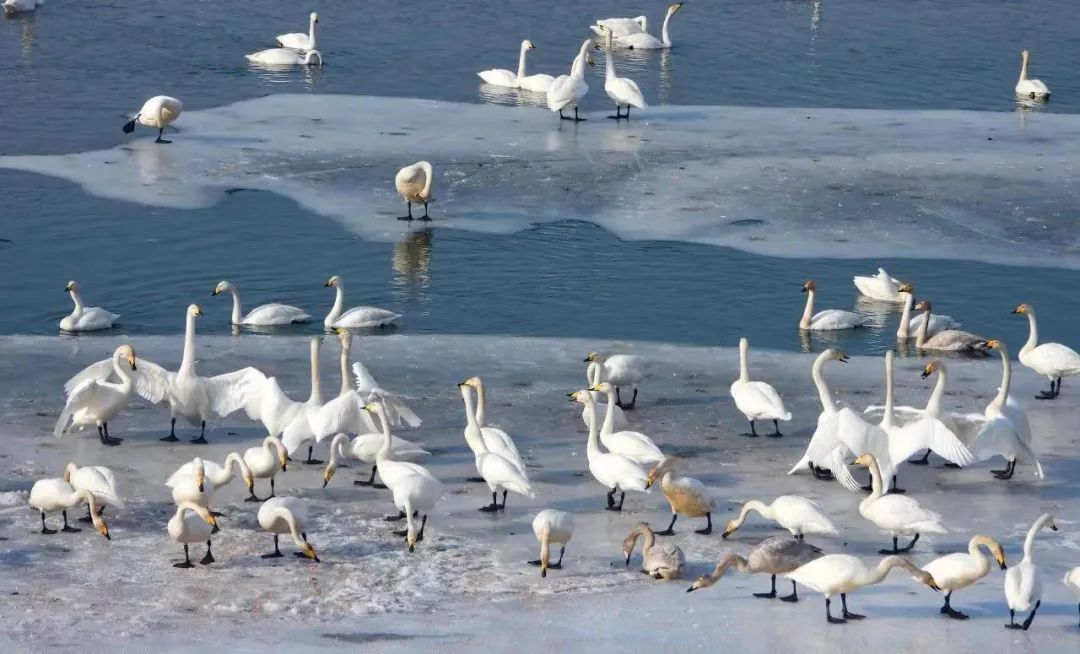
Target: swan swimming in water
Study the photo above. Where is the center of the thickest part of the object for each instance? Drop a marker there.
(1033, 89)
(519, 80)
(85, 319)
(949, 340)
(264, 315)
(644, 41)
(159, 111)
(1051, 360)
(299, 40)
(12, 7)
(827, 319)
(881, 286)
(357, 317)
(621, 26)
(286, 57)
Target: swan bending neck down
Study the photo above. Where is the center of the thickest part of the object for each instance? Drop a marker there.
(413, 184)
(773, 556)
(194, 527)
(664, 561)
(962, 569)
(52, 495)
(287, 515)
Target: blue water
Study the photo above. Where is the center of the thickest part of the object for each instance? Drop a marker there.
(74, 71)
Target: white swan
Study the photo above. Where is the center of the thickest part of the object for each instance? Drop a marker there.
(192, 523)
(614, 471)
(52, 495)
(300, 429)
(623, 91)
(1023, 582)
(799, 515)
(686, 495)
(1051, 360)
(567, 91)
(287, 515)
(493, 439)
(1004, 429)
(285, 57)
(621, 26)
(519, 80)
(197, 480)
(881, 286)
(645, 41)
(397, 411)
(159, 111)
(365, 447)
(754, 399)
(826, 452)
(620, 370)
(414, 488)
(94, 401)
(826, 319)
(551, 526)
(12, 7)
(266, 461)
(264, 315)
(949, 340)
(634, 445)
(1072, 580)
(896, 514)
(344, 413)
(99, 480)
(498, 471)
(1032, 89)
(85, 319)
(955, 571)
(190, 396)
(299, 40)
(909, 325)
(357, 317)
(841, 574)
(659, 561)
(413, 184)
(618, 417)
(773, 556)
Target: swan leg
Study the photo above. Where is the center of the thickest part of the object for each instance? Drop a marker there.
(669, 531)
(209, 558)
(106, 440)
(793, 597)
(776, 433)
(622, 498)
(753, 431)
(395, 518)
(44, 529)
(1007, 473)
(628, 112)
(201, 440)
(159, 139)
(68, 528)
(271, 489)
(423, 523)
(171, 438)
(895, 547)
(1052, 393)
(848, 615)
(771, 594)
(894, 488)
(618, 115)
(909, 546)
(1031, 617)
(310, 460)
(824, 474)
(187, 560)
(408, 217)
(828, 614)
(502, 507)
(276, 554)
(611, 499)
(950, 611)
(708, 527)
(494, 506)
(109, 436)
(370, 481)
(576, 119)
(558, 564)
(1012, 620)
(425, 216)
(924, 460)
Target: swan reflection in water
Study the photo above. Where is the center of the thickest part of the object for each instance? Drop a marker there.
(412, 264)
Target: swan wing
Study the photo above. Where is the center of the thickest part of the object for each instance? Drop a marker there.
(366, 317)
(996, 437)
(928, 433)
(1054, 357)
(232, 391)
(618, 26)
(87, 394)
(499, 77)
(639, 41)
(836, 319)
(296, 40)
(902, 415)
(397, 411)
(341, 414)
(365, 381)
(635, 446)
(275, 314)
(107, 475)
(500, 471)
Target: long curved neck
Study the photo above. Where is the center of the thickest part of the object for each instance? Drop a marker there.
(744, 361)
(83, 496)
(384, 451)
(664, 36)
(1029, 542)
(290, 519)
(479, 446)
(609, 58)
(187, 362)
(1023, 69)
(77, 300)
(1033, 333)
(877, 488)
(339, 300)
(577, 71)
(127, 382)
(336, 446)
(731, 560)
(920, 336)
(592, 446)
(887, 418)
(609, 414)
(481, 404)
(235, 458)
(981, 560)
(316, 385)
(905, 318)
(808, 312)
(237, 312)
(933, 405)
(311, 34)
(822, 388)
(648, 540)
(753, 505)
(878, 574)
(545, 545)
(427, 180)
(346, 377)
(521, 62)
(1006, 379)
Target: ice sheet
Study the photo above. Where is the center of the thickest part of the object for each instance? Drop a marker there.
(467, 585)
(842, 183)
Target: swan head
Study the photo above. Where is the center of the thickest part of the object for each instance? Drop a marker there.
(808, 286)
(128, 353)
(1022, 309)
(674, 8)
(930, 369)
(923, 305)
(582, 396)
(603, 387)
(472, 382)
(993, 344)
(1024, 54)
(837, 355)
(528, 45)
(309, 552)
(314, 17)
(995, 548)
(701, 582)
(221, 287)
(194, 310)
(332, 282)
(344, 335)
(68, 470)
(593, 357)
(100, 525)
(863, 460)
(925, 578)
(328, 473)
(71, 286)
(905, 288)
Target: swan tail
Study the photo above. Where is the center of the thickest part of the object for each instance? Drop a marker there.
(930, 527)
(62, 422)
(521, 487)
(786, 417)
(802, 464)
(820, 528)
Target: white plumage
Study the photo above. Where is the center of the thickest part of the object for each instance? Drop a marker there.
(799, 515)
(643, 40)
(265, 315)
(83, 318)
(881, 286)
(1033, 89)
(756, 400)
(566, 91)
(623, 91)
(159, 111)
(1051, 360)
(614, 471)
(285, 57)
(299, 40)
(287, 515)
(827, 319)
(898, 515)
(552, 526)
(95, 400)
(357, 317)
(1023, 582)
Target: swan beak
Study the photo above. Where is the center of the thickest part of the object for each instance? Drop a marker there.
(284, 464)
(104, 529)
(650, 481)
(543, 571)
(628, 560)
(326, 477)
(691, 589)
(933, 584)
(842, 358)
(328, 284)
(214, 292)
(131, 360)
(1002, 564)
(250, 485)
(1053, 527)
(725, 535)
(925, 374)
(68, 287)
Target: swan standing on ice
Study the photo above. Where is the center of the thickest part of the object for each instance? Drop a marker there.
(365, 447)
(413, 184)
(614, 471)
(896, 514)
(612, 412)
(909, 325)
(192, 523)
(1005, 430)
(754, 399)
(634, 445)
(798, 515)
(478, 434)
(825, 453)
(827, 319)
(645, 41)
(960, 570)
(949, 340)
(299, 40)
(265, 461)
(265, 315)
(99, 480)
(551, 526)
(507, 78)
(12, 7)
(52, 495)
(878, 287)
(1072, 580)
(841, 574)
(659, 561)
(300, 431)
(1023, 582)
(1052, 360)
(623, 91)
(85, 319)
(287, 515)
(357, 317)
(159, 111)
(686, 495)
(95, 400)
(774, 556)
(197, 480)
(620, 370)
(1033, 89)
(621, 26)
(286, 57)
(498, 471)
(567, 91)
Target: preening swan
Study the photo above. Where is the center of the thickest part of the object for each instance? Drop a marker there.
(159, 111)
(797, 514)
(949, 340)
(285, 57)
(909, 325)
(686, 495)
(299, 40)
(85, 319)
(365, 447)
(95, 400)
(623, 91)
(881, 286)
(645, 41)
(1032, 89)
(357, 317)
(566, 91)
(1072, 580)
(634, 445)
(99, 480)
(1005, 430)
(955, 571)
(825, 454)
(265, 462)
(12, 7)
(1023, 582)
(621, 26)
(618, 418)
(52, 495)
(659, 561)
(493, 439)
(496, 469)
(1051, 360)
(896, 514)
(287, 515)
(842, 574)
(774, 556)
(620, 370)
(754, 399)
(519, 80)
(827, 319)
(551, 526)
(265, 315)
(614, 471)
(197, 480)
(413, 184)
(192, 523)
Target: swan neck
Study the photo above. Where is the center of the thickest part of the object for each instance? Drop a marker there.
(665, 38)
(127, 381)
(290, 519)
(1033, 333)
(875, 481)
(753, 505)
(346, 377)
(521, 62)
(1023, 69)
(744, 361)
(822, 387)
(316, 386)
(592, 447)
(187, 362)
(1006, 379)
(933, 405)
(808, 312)
(481, 404)
(1029, 541)
(384, 451)
(335, 448)
(609, 59)
(77, 299)
(648, 540)
(545, 547)
(920, 336)
(237, 312)
(232, 458)
(609, 415)
(311, 34)
(878, 574)
(887, 419)
(905, 318)
(84, 496)
(427, 179)
(479, 446)
(339, 299)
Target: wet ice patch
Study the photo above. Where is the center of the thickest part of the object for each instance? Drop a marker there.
(785, 182)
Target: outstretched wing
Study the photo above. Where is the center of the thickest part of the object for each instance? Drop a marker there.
(928, 433)
(233, 390)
